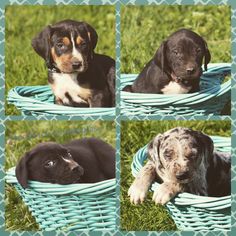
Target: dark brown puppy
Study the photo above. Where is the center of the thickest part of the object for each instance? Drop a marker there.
(176, 66)
(77, 75)
(85, 160)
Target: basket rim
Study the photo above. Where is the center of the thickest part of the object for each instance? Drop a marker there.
(15, 96)
(184, 199)
(59, 189)
(161, 99)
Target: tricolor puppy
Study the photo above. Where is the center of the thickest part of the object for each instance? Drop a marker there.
(182, 160)
(78, 76)
(175, 67)
(87, 160)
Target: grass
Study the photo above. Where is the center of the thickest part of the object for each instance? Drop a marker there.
(22, 65)
(136, 134)
(21, 136)
(143, 28)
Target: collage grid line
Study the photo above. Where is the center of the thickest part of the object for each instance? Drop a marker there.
(118, 118)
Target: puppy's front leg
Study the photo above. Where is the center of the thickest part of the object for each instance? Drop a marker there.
(139, 188)
(165, 192)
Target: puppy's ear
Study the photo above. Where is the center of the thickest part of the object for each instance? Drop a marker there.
(206, 143)
(41, 44)
(22, 170)
(153, 149)
(160, 56)
(92, 35)
(207, 56)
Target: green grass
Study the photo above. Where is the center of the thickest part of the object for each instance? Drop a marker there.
(143, 28)
(22, 65)
(135, 135)
(21, 136)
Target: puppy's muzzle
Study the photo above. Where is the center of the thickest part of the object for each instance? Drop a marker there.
(190, 70)
(183, 175)
(76, 65)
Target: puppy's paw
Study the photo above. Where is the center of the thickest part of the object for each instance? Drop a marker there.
(162, 195)
(137, 193)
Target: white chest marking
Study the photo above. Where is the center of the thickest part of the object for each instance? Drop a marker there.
(175, 88)
(67, 83)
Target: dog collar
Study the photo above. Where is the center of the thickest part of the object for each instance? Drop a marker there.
(52, 68)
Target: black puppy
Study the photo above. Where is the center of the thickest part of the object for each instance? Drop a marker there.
(176, 66)
(77, 75)
(85, 160)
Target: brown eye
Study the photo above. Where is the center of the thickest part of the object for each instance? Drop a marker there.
(199, 50)
(175, 52)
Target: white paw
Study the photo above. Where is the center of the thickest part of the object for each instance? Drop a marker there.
(161, 195)
(137, 193)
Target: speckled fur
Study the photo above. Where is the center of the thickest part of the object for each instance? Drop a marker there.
(182, 160)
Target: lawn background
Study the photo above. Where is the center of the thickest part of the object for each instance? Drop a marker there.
(22, 65)
(22, 136)
(143, 28)
(134, 135)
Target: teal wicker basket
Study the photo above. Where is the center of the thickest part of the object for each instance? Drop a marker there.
(69, 207)
(211, 99)
(193, 212)
(39, 100)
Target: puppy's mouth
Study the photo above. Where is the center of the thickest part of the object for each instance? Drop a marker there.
(184, 177)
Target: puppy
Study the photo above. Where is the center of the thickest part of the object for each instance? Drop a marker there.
(182, 160)
(176, 66)
(87, 160)
(78, 76)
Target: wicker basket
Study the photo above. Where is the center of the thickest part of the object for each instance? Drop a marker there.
(69, 207)
(39, 100)
(193, 212)
(210, 100)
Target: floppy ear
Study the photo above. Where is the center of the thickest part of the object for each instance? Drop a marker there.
(92, 34)
(160, 56)
(207, 56)
(41, 44)
(207, 144)
(22, 170)
(153, 149)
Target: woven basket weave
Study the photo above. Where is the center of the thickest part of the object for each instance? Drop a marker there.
(193, 212)
(39, 100)
(210, 100)
(69, 207)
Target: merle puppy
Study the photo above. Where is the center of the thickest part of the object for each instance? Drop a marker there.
(78, 76)
(175, 67)
(182, 160)
(87, 160)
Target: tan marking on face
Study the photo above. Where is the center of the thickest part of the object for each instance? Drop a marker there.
(63, 62)
(79, 40)
(66, 41)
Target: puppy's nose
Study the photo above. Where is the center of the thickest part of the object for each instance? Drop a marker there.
(182, 175)
(76, 64)
(190, 70)
(73, 165)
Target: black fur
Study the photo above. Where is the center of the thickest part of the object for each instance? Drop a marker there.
(183, 50)
(85, 160)
(99, 70)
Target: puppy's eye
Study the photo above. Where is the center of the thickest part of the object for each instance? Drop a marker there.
(167, 157)
(175, 52)
(50, 164)
(199, 50)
